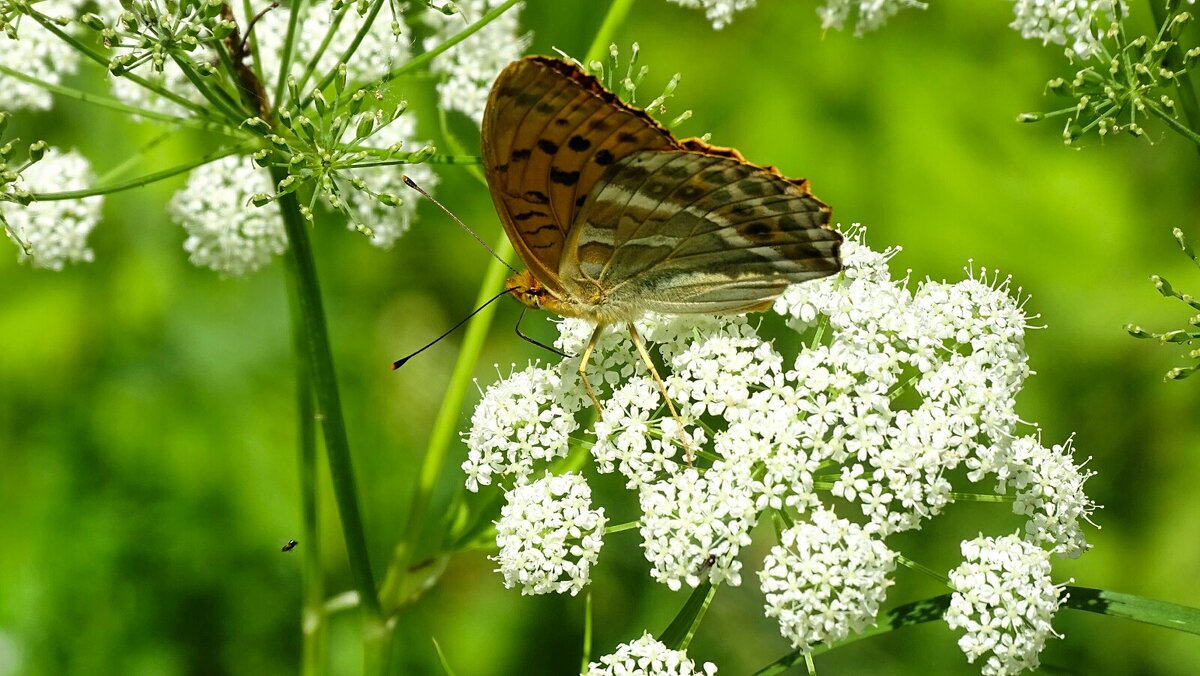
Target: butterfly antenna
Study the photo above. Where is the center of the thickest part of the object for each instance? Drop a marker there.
(409, 182)
(403, 360)
(531, 339)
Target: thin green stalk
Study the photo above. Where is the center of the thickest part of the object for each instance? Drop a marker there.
(302, 273)
(432, 159)
(312, 615)
(445, 427)
(617, 12)
(1171, 122)
(50, 25)
(1183, 82)
(114, 104)
(311, 67)
(467, 32)
(368, 22)
(217, 96)
(141, 180)
(289, 47)
(136, 158)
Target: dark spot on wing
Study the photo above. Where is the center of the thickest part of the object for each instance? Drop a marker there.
(546, 108)
(676, 171)
(580, 200)
(603, 158)
(743, 210)
(541, 228)
(598, 123)
(547, 146)
(756, 230)
(562, 122)
(521, 154)
(626, 137)
(526, 215)
(579, 143)
(536, 197)
(722, 196)
(690, 192)
(564, 177)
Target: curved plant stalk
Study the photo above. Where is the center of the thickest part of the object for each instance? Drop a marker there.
(312, 615)
(302, 275)
(1183, 82)
(1158, 613)
(617, 12)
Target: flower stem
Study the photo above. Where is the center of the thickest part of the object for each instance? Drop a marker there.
(302, 275)
(445, 428)
(1183, 81)
(465, 33)
(1171, 122)
(617, 12)
(312, 616)
(140, 180)
(113, 104)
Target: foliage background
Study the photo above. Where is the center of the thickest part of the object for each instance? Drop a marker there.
(147, 460)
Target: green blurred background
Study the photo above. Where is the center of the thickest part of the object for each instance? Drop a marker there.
(147, 454)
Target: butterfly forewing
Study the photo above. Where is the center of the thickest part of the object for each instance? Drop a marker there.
(691, 232)
(549, 134)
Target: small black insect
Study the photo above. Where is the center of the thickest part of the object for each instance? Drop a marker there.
(289, 546)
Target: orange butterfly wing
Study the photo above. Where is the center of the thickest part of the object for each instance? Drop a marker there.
(549, 132)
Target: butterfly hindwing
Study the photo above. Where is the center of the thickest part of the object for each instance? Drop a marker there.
(549, 134)
(684, 231)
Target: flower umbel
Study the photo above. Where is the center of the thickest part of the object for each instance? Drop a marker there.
(894, 398)
(1121, 79)
(1187, 336)
(650, 657)
(50, 233)
(1004, 599)
(549, 536)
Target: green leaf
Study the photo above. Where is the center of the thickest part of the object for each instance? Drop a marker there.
(683, 627)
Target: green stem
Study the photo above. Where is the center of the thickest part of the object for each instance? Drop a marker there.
(113, 104)
(367, 23)
(1183, 82)
(50, 25)
(289, 47)
(312, 616)
(617, 12)
(302, 273)
(140, 180)
(445, 427)
(217, 96)
(1171, 122)
(467, 32)
(432, 159)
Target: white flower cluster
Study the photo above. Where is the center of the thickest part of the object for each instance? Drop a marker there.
(890, 394)
(37, 53)
(719, 12)
(1073, 22)
(694, 525)
(469, 68)
(647, 657)
(871, 13)
(225, 233)
(520, 421)
(1004, 599)
(55, 231)
(549, 536)
(796, 580)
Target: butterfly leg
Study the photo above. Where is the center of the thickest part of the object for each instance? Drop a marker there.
(583, 362)
(641, 348)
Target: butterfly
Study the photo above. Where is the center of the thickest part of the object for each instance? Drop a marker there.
(613, 217)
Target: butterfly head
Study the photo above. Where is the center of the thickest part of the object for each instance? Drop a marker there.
(526, 288)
